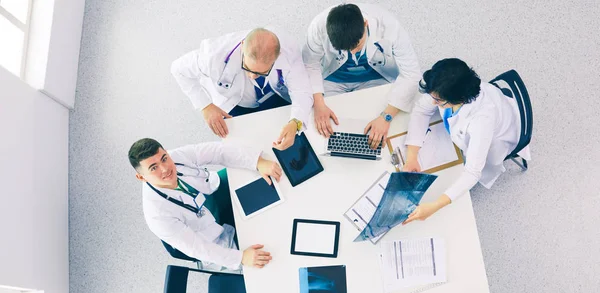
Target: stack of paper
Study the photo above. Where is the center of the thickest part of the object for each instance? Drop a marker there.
(411, 263)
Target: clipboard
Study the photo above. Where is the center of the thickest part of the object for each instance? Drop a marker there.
(371, 198)
(458, 161)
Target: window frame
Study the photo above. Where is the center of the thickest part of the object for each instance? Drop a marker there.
(24, 27)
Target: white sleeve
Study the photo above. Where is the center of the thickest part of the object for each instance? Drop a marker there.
(217, 153)
(299, 89)
(177, 234)
(188, 71)
(481, 135)
(404, 89)
(419, 120)
(313, 52)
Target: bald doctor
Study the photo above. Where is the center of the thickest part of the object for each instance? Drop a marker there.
(247, 72)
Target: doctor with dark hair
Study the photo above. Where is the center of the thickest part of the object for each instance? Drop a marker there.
(483, 122)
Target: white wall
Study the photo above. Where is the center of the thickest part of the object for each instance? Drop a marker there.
(63, 53)
(34, 249)
(53, 50)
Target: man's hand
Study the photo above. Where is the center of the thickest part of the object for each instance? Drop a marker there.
(254, 256)
(323, 117)
(268, 168)
(286, 137)
(378, 129)
(425, 210)
(213, 116)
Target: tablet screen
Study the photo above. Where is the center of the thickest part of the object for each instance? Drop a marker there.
(257, 196)
(299, 162)
(315, 238)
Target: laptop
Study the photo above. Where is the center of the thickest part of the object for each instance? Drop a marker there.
(348, 141)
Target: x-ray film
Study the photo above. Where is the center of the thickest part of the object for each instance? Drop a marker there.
(400, 198)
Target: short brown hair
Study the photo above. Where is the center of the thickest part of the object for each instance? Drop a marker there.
(143, 149)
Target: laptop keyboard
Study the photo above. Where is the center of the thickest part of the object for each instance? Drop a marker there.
(351, 143)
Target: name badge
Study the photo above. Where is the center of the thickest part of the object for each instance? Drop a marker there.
(356, 69)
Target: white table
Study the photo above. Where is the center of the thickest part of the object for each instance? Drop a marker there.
(328, 195)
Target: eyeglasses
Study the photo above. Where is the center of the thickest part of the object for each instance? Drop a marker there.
(254, 72)
(438, 101)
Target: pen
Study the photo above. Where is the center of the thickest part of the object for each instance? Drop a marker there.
(400, 159)
(426, 134)
(395, 160)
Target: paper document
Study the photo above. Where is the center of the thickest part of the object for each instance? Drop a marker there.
(363, 210)
(438, 148)
(413, 262)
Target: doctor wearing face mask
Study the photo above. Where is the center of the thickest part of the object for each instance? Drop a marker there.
(189, 207)
(247, 72)
(483, 122)
(352, 47)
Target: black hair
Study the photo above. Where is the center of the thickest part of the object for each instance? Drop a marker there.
(345, 26)
(143, 149)
(453, 80)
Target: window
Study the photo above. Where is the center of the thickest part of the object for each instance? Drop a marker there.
(14, 31)
(6, 289)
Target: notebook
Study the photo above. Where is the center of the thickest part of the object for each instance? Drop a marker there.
(257, 196)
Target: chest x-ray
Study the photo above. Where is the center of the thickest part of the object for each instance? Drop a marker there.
(400, 198)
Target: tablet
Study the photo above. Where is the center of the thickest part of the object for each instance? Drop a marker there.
(299, 162)
(257, 196)
(315, 238)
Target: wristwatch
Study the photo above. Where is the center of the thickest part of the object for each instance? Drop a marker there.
(386, 116)
(298, 124)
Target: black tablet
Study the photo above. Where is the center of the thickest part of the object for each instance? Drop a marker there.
(299, 162)
(257, 197)
(315, 238)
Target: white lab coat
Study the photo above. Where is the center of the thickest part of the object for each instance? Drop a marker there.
(389, 52)
(206, 78)
(181, 228)
(487, 130)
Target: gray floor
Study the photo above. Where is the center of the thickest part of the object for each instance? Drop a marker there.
(539, 230)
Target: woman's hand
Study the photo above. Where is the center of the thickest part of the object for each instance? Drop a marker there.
(425, 210)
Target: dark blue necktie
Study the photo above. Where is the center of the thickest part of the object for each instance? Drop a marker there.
(261, 81)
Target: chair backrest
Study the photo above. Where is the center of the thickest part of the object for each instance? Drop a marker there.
(226, 284)
(516, 89)
(176, 253)
(176, 280)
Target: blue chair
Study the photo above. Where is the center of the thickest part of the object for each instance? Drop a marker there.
(511, 85)
(176, 253)
(176, 281)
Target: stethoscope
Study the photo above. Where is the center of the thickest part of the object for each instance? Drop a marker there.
(226, 82)
(198, 209)
(201, 172)
(340, 56)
